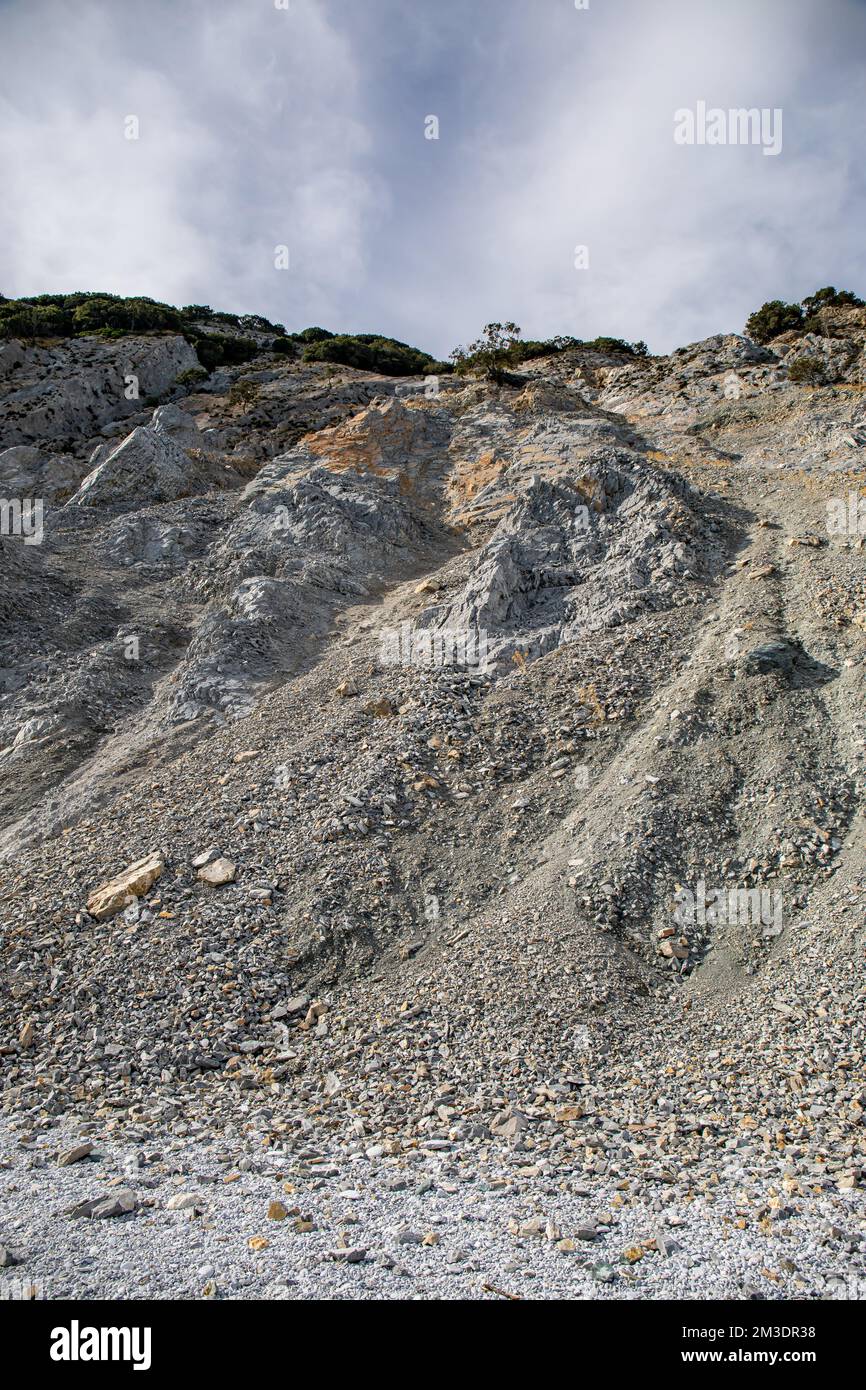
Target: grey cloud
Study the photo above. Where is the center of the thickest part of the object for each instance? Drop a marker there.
(306, 127)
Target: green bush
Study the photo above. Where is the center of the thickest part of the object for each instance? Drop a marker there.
(70, 314)
(807, 371)
(500, 347)
(370, 353)
(140, 315)
(618, 345)
(545, 347)
(773, 318)
(255, 323)
(776, 317)
(831, 298)
(550, 346)
(312, 335)
(192, 376)
(111, 316)
(30, 321)
(243, 393)
(492, 354)
(218, 349)
(203, 313)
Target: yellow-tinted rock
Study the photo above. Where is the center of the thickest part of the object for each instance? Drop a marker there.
(133, 882)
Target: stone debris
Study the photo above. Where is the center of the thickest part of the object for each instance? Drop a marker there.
(75, 1154)
(120, 1203)
(183, 1201)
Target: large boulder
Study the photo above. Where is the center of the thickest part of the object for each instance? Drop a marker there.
(119, 892)
(147, 467)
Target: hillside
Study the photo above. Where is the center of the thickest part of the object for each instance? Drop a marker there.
(446, 981)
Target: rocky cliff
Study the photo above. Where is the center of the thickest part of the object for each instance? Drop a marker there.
(473, 694)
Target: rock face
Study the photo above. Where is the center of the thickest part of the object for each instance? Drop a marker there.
(120, 891)
(20, 581)
(68, 391)
(313, 543)
(180, 427)
(147, 467)
(561, 491)
(567, 561)
(28, 472)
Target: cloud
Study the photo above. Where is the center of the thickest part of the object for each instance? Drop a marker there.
(577, 148)
(248, 139)
(305, 127)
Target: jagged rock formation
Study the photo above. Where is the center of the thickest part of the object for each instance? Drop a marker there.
(78, 386)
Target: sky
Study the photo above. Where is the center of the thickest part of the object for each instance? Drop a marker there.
(304, 124)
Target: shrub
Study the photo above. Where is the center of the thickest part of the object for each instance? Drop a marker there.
(243, 393)
(497, 349)
(218, 349)
(255, 323)
(773, 318)
(113, 315)
(535, 347)
(371, 353)
(831, 298)
(128, 315)
(807, 371)
(202, 312)
(532, 348)
(192, 376)
(31, 321)
(284, 345)
(312, 335)
(614, 345)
